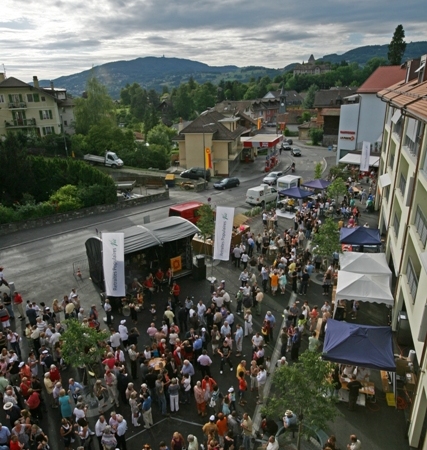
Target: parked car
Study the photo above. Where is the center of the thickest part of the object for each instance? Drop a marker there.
(195, 173)
(271, 178)
(296, 151)
(226, 183)
(288, 141)
(286, 147)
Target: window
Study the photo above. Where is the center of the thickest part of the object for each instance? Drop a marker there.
(391, 162)
(33, 98)
(386, 192)
(413, 136)
(421, 225)
(402, 184)
(412, 279)
(65, 123)
(396, 224)
(398, 126)
(43, 98)
(48, 130)
(45, 114)
(1, 98)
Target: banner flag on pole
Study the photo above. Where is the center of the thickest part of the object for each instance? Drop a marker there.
(223, 232)
(113, 261)
(364, 158)
(208, 158)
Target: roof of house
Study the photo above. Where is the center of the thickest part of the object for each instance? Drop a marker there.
(383, 77)
(211, 123)
(232, 106)
(13, 83)
(329, 97)
(410, 96)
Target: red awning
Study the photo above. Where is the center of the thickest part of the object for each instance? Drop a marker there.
(263, 141)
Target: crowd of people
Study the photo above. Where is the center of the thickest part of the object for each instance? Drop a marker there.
(167, 367)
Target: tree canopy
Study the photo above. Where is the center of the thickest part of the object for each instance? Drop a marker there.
(306, 389)
(95, 107)
(327, 240)
(397, 46)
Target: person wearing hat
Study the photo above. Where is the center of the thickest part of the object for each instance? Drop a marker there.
(210, 429)
(290, 420)
(13, 413)
(124, 333)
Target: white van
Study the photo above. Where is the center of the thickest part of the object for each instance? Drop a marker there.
(261, 195)
(288, 181)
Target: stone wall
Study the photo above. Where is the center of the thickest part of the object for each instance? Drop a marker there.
(64, 217)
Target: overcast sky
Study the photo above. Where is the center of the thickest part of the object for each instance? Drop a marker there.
(51, 38)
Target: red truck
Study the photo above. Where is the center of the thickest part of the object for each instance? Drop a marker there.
(187, 210)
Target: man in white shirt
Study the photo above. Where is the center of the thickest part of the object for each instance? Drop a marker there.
(122, 427)
(205, 362)
(201, 309)
(355, 444)
(261, 379)
(115, 340)
(272, 444)
(100, 425)
(257, 340)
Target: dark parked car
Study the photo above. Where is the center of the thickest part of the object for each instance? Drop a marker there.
(289, 141)
(226, 183)
(296, 151)
(195, 173)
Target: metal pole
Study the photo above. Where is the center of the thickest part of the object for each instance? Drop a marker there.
(204, 159)
(63, 135)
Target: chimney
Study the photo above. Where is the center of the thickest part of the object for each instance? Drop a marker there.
(36, 82)
(2, 77)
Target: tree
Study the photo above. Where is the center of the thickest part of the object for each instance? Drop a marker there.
(206, 222)
(327, 240)
(96, 107)
(306, 388)
(316, 135)
(80, 344)
(337, 188)
(397, 46)
(318, 170)
(309, 98)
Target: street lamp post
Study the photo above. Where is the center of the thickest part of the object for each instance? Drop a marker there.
(204, 150)
(63, 135)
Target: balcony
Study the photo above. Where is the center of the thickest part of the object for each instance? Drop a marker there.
(18, 105)
(20, 123)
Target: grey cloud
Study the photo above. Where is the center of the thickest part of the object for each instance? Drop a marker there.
(20, 24)
(71, 44)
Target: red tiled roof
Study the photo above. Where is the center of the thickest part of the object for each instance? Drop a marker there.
(382, 78)
(397, 89)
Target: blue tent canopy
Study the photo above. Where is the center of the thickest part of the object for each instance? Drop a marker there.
(359, 345)
(317, 184)
(360, 236)
(296, 192)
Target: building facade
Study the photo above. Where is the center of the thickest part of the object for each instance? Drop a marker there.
(219, 133)
(402, 201)
(363, 120)
(311, 67)
(32, 109)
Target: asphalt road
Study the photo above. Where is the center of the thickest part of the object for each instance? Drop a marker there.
(40, 263)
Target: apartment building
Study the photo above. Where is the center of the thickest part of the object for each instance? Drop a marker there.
(32, 109)
(402, 201)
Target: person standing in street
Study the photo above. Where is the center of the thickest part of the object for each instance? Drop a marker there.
(261, 380)
(247, 431)
(237, 252)
(353, 392)
(355, 444)
(122, 427)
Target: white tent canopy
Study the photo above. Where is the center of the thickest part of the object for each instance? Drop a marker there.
(354, 158)
(363, 288)
(370, 263)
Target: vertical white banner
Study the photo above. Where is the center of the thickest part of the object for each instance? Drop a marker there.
(223, 232)
(113, 261)
(366, 155)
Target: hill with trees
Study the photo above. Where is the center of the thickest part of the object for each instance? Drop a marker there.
(160, 73)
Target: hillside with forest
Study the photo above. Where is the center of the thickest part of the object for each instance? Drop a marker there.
(167, 73)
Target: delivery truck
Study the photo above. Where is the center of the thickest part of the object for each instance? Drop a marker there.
(110, 160)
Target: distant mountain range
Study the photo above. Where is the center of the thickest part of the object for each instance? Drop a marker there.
(154, 73)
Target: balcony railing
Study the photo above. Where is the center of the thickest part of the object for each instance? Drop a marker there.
(20, 123)
(17, 105)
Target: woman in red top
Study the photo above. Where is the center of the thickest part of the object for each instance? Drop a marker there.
(54, 374)
(24, 386)
(243, 386)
